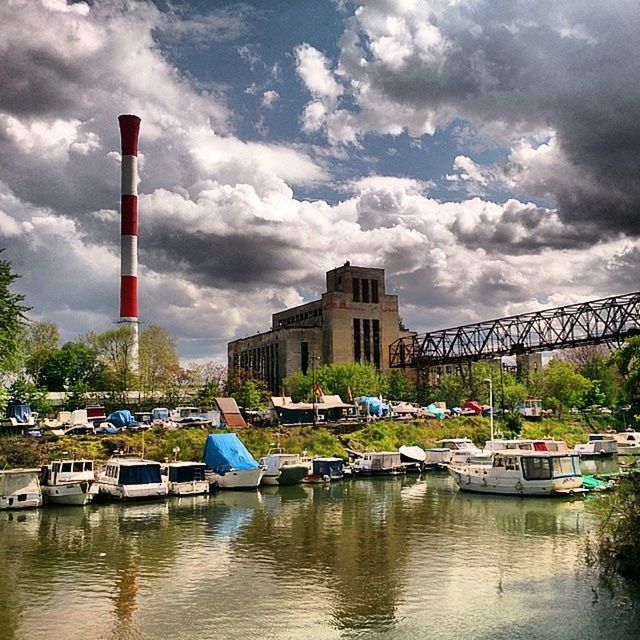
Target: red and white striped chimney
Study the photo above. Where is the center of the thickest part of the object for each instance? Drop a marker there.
(129, 130)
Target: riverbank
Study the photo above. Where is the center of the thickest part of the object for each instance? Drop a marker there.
(334, 440)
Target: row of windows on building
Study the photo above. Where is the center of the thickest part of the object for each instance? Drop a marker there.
(365, 290)
(299, 317)
(366, 341)
(263, 362)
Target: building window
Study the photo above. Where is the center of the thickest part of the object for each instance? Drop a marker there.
(304, 357)
(339, 283)
(365, 290)
(374, 291)
(356, 289)
(366, 338)
(357, 348)
(376, 342)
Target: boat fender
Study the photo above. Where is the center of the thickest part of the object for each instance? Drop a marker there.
(468, 479)
(484, 482)
(518, 486)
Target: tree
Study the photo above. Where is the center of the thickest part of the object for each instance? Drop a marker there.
(158, 359)
(74, 363)
(397, 386)
(627, 360)
(114, 350)
(210, 378)
(564, 386)
(34, 396)
(41, 340)
(12, 320)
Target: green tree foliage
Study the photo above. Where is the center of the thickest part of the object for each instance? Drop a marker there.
(249, 392)
(40, 342)
(618, 538)
(335, 379)
(397, 386)
(74, 363)
(12, 320)
(606, 380)
(451, 389)
(627, 361)
(158, 359)
(114, 351)
(564, 387)
(36, 397)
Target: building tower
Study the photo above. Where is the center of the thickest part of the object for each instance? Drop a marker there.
(129, 130)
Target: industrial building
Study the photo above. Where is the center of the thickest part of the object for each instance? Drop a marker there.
(354, 321)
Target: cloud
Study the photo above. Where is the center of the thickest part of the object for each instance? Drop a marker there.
(519, 71)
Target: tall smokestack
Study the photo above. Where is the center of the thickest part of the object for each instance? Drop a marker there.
(129, 130)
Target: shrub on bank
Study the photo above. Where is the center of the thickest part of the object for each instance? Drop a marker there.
(617, 548)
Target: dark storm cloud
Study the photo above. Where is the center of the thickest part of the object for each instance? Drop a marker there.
(210, 260)
(568, 66)
(38, 81)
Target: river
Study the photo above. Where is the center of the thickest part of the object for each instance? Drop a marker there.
(380, 558)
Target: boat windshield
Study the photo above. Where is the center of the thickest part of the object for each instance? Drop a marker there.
(186, 474)
(140, 474)
(535, 468)
(564, 467)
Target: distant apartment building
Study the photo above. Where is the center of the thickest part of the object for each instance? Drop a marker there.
(354, 321)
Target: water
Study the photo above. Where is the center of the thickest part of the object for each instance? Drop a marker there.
(381, 558)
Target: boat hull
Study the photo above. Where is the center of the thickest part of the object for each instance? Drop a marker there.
(132, 492)
(378, 472)
(234, 479)
(71, 494)
(193, 488)
(500, 486)
(289, 475)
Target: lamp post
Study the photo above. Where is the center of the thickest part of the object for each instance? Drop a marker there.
(490, 383)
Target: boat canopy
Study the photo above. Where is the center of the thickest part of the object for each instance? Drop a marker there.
(225, 451)
(15, 481)
(437, 412)
(121, 418)
(373, 406)
(20, 411)
(186, 473)
(144, 473)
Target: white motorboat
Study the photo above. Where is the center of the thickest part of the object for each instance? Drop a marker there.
(525, 444)
(68, 482)
(229, 465)
(628, 443)
(413, 458)
(20, 489)
(185, 478)
(378, 463)
(522, 473)
(463, 450)
(131, 479)
(284, 469)
(600, 445)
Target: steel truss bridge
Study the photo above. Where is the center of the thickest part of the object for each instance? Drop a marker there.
(605, 321)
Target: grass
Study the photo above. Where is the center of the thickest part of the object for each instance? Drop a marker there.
(382, 435)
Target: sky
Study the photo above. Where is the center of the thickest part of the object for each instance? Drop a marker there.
(485, 153)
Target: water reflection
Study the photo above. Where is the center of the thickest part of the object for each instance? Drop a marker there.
(393, 557)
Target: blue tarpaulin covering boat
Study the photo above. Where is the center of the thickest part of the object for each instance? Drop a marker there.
(225, 451)
(373, 406)
(121, 418)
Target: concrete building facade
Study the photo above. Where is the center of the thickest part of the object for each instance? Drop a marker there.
(354, 321)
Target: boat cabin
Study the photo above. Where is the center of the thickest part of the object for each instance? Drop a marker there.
(67, 471)
(327, 469)
(20, 489)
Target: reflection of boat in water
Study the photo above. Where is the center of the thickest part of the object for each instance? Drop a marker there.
(20, 489)
(522, 473)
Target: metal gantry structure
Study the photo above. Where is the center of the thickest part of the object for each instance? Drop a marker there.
(605, 321)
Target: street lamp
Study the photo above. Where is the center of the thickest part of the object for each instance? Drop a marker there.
(490, 383)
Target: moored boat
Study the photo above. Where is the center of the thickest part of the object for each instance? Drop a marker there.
(628, 443)
(600, 445)
(412, 458)
(522, 473)
(325, 470)
(378, 463)
(229, 465)
(20, 489)
(284, 469)
(463, 450)
(184, 478)
(68, 482)
(131, 479)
